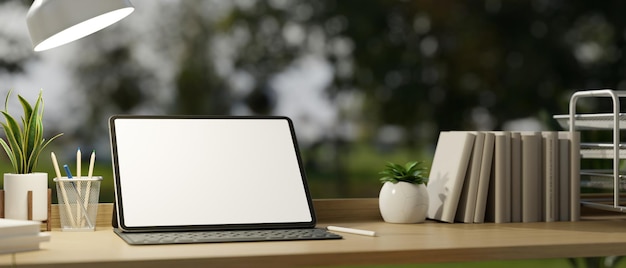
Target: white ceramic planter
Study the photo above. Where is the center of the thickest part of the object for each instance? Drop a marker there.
(16, 187)
(403, 202)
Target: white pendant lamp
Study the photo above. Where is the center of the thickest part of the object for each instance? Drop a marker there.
(52, 23)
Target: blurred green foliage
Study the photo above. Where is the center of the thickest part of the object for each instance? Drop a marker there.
(400, 71)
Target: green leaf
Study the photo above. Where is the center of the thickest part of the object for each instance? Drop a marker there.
(32, 129)
(36, 153)
(411, 172)
(14, 138)
(9, 152)
(410, 166)
(25, 144)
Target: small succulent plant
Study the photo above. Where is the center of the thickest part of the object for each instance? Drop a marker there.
(411, 172)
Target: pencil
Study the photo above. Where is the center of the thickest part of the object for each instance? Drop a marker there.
(351, 230)
(92, 159)
(78, 163)
(63, 192)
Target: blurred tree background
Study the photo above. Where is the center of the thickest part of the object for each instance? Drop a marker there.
(365, 82)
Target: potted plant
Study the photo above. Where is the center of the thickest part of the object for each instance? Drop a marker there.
(23, 146)
(403, 197)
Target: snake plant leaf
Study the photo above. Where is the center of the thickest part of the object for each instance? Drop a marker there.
(31, 132)
(13, 133)
(37, 153)
(24, 144)
(7, 149)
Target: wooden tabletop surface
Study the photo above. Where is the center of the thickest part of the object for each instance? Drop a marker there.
(395, 243)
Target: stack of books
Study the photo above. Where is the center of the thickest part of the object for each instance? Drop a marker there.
(20, 235)
(505, 176)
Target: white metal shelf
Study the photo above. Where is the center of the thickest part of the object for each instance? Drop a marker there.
(601, 178)
(614, 150)
(592, 121)
(590, 150)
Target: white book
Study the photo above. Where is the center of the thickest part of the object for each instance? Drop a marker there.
(564, 176)
(531, 177)
(484, 178)
(447, 174)
(516, 177)
(550, 168)
(22, 243)
(467, 201)
(11, 227)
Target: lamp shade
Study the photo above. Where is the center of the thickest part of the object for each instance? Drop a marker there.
(52, 23)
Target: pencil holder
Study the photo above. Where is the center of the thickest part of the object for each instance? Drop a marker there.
(78, 202)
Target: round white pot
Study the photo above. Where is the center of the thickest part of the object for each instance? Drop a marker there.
(403, 202)
(16, 187)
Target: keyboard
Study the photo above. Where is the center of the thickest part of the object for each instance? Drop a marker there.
(156, 238)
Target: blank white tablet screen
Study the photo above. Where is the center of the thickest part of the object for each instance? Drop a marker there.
(208, 171)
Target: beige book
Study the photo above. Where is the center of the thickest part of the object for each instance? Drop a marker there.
(531, 177)
(550, 171)
(490, 206)
(484, 178)
(467, 201)
(499, 195)
(574, 176)
(564, 176)
(447, 174)
(516, 177)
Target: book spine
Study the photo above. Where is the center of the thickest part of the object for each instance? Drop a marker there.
(503, 178)
(564, 178)
(574, 176)
(531, 177)
(485, 176)
(550, 147)
(516, 177)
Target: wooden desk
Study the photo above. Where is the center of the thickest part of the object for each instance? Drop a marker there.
(395, 243)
